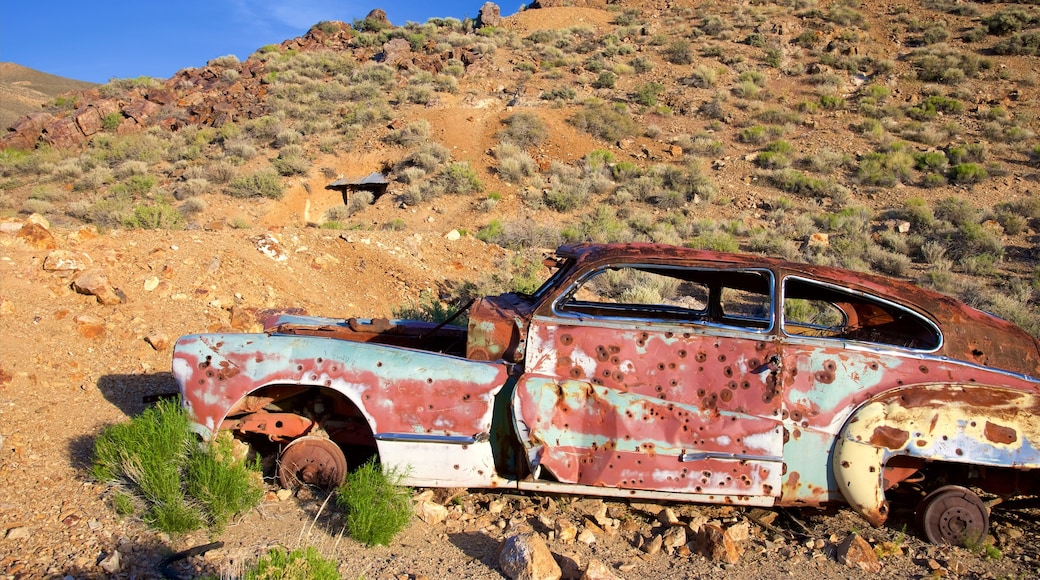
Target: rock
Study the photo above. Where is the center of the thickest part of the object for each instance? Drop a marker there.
(715, 544)
(19, 533)
(397, 52)
(37, 236)
(654, 545)
(242, 317)
(110, 563)
(855, 552)
(430, 512)
(158, 340)
(739, 532)
(283, 494)
(675, 537)
(151, 283)
(587, 537)
(675, 151)
(570, 565)
(453, 235)
(818, 240)
(597, 570)
(378, 15)
(668, 517)
(903, 227)
(269, 245)
(94, 282)
(489, 15)
(566, 531)
(64, 261)
(526, 557)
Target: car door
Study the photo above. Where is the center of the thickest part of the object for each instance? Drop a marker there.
(655, 378)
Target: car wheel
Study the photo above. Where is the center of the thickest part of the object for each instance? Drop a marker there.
(313, 461)
(953, 515)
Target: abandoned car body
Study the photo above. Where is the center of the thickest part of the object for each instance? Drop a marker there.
(650, 371)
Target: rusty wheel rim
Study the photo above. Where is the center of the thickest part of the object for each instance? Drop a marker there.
(313, 461)
(954, 515)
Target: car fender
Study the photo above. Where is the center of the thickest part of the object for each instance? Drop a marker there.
(399, 390)
(958, 423)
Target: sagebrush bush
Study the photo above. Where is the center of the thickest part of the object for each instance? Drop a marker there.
(300, 564)
(185, 485)
(377, 506)
(524, 130)
(607, 123)
(262, 183)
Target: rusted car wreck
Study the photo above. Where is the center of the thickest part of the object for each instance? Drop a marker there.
(649, 371)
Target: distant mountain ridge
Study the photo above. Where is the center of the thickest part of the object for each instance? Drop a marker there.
(24, 90)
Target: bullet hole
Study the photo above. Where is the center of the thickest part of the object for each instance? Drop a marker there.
(566, 339)
(701, 357)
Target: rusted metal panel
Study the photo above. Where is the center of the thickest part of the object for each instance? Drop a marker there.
(655, 408)
(399, 390)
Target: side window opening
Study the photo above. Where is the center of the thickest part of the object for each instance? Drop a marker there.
(814, 309)
(731, 298)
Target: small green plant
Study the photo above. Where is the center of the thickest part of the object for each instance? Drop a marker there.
(377, 506)
(647, 94)
(111, 121)
(123, 503)
(300, 564)
(184, 485)
(263, 183)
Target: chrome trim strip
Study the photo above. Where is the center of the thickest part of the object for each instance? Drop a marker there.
(426, 438)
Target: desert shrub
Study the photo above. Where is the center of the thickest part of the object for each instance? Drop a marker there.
(184, 485)
(299, 564)
(967, 173)
(931, 106)
(377, 506)
(158, 216)
(607, 123)
(291, 160)
(1025, 44)
(559, 93)
(679, 52)
(754, 134)
(606, 80)
(428, 157)
(411, 134)
(885, 168)
(524, 130)
(1005, 22)
(262, 183)
(942, 63)
(459, 178)
(776, 155)
(794, 181)
(646, 94)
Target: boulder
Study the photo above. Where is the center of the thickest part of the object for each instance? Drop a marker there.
(489, 15)
(715, 543)
(855, 552)
(526, 557)
(94, 282)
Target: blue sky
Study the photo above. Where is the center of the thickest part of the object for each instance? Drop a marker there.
(97, 41)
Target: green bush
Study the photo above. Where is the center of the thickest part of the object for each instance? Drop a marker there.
(679, 52)
(377, 506)
(1025, 44)
(263, 183)
(301, 564)
(607, 123)
(185, 485)
(459, 178)
(524, 130)
(161, 216)
(968, 173)
(646, 94)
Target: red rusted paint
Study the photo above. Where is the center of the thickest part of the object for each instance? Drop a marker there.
(1000, 434)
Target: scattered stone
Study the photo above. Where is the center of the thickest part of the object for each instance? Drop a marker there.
(855, 552)
(269, 246)
(453, 235)
(818, 240)
(158, 340)
(739, 532)
(587, 537)
(675, 537)
(19, 533)
(283, 494)
(903, 227)
(526, 557)
(64, 261)
(570, 565)
(654, 545)
(597, 570)
(668, 517)
(566, 531)
(37, 236)
(151, 283)
(715, 543)
(94, 282)
(430, 512)
(110, 563)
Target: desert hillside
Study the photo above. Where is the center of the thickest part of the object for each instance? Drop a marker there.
(897, 137)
